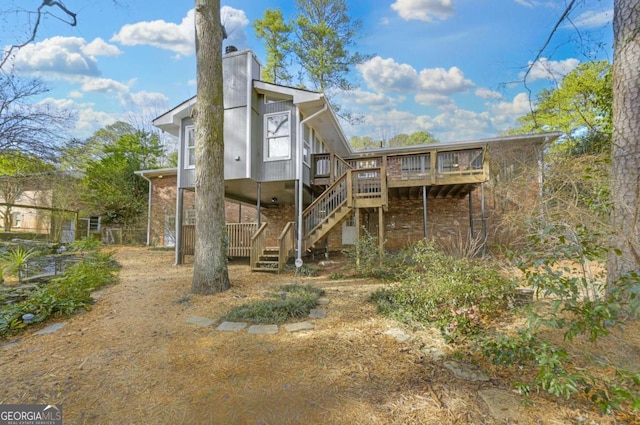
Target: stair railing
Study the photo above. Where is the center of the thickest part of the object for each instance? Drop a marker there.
(337, 195)
(286, 244)
(258, 244)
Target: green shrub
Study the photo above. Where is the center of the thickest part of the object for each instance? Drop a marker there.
(293, 302)
(65, 295)
(456, 295)
(368, 261)
(556, 265)
(14, 260)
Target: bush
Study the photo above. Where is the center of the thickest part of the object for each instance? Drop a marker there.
(65, 295)
(556, 265)
(369, 261)
(292, 302)
(456, 295)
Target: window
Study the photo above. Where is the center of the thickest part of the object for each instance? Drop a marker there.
(17, 219)
(277, 136)
(190, 147)
(306, 150)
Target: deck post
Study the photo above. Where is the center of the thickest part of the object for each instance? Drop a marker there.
(179, 217)
(259, 190)
(424, 211)
(357, 223)
(484, 221)
(381, 232)
(471, 213)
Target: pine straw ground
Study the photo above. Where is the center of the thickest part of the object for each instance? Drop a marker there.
(133, 359)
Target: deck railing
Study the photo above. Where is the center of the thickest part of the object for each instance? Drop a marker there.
(329, 167)
(239, 235)
(286, 244)
(429, 167)
(258, 244)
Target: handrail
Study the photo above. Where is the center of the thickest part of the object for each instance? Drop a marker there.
(258, 244)
(330, 200)
(286, 243)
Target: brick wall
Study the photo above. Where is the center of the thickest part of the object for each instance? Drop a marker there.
(163, 204)
(403, 221)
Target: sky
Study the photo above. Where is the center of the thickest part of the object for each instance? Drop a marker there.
(454, 68)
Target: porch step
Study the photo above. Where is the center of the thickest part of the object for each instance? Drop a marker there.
(268, 261)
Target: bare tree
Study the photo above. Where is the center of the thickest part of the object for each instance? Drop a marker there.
(210, 272)
(28, 127)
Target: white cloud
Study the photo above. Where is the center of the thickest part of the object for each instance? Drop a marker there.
(423, 10)
(388, 75)
(545, 69)
(367, 99)
(593, 19)
(440, 80)
(505, 114)
(178, 38)
(88, 119)
(487, 94)
(104, 85)
(63, 56)
(234, 21)
(458, 124)
(99, 47)
(430, 99)
(535, 3)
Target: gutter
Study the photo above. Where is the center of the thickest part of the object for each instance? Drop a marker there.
(141, 174)
(300, 143)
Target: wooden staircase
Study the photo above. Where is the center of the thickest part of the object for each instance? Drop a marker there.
(362, 188)
(332, 220)
(268, 260)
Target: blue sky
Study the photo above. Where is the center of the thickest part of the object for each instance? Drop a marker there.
(451, 67)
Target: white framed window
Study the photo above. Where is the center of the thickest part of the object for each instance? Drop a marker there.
(306, 149)
(277, 136)
(190, 147)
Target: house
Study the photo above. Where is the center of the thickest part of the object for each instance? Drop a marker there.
(286, 155)
(33, 206)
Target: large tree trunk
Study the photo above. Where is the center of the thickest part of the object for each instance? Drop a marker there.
(625, 152)
(210, 273)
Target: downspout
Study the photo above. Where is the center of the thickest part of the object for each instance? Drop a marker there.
(299, 168)
(148, 208)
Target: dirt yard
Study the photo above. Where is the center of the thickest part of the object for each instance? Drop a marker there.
(135, 359)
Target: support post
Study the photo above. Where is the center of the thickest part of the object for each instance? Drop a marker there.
(484, 221)
(179, 219)
(424, 211)
(258, 203)
(381, 232)
(357, 223)
(471, 213)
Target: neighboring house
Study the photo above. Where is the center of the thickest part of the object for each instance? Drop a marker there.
(286, 154)
(27, 205)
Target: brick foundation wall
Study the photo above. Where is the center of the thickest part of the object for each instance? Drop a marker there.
(403, 221)
(163, 204)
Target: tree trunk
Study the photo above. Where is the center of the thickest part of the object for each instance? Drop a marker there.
(210, 273)
(625, 151)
